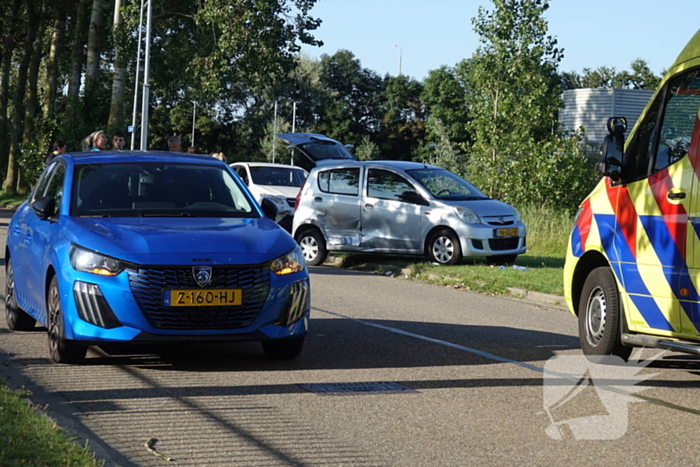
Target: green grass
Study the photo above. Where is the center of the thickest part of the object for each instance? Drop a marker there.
(28, 437)
(547, 241)
(11, 201)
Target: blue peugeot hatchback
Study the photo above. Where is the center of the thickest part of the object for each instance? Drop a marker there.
(152, 247)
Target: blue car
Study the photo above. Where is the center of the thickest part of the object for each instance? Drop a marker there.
(152, 247)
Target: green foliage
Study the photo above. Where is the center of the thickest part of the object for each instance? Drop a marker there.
(443, 152)
(367, 150)
(353, 99)
(404, 115)
(640, 77)
(282, 154)
(519, 155)
(445, 97)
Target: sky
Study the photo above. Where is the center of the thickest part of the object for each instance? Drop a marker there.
(432, 33)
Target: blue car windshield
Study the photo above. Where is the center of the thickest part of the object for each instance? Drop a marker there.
(443, 184)
(157, 189)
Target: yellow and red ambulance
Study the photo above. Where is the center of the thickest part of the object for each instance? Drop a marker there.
(632, 272)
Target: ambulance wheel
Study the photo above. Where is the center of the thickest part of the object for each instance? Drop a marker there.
(600, 317)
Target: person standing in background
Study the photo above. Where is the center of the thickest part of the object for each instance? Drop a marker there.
(59, 147)
(95, 141)
(118, 141)
(174, 144)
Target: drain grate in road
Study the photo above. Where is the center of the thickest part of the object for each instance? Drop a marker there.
(342, 389)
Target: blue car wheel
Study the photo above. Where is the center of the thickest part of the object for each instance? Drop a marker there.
(17, 319)
(61, 349)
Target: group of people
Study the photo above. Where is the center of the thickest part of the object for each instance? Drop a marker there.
(97, 141)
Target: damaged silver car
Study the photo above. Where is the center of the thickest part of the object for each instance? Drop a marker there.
(399, 207)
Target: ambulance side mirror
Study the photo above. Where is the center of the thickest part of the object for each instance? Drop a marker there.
(613, 148)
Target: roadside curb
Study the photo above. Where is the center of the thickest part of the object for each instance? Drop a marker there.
(517, 293)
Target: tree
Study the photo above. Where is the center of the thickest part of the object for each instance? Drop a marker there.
(403, 123)
(353, 106)
(514, 99)
(445, 97)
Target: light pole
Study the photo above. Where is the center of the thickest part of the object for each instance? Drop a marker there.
(136, 81)
(274, 133)
(146, 69)
(400, 57)
(194, 113)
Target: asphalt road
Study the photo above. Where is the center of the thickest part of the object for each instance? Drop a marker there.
(464, 372)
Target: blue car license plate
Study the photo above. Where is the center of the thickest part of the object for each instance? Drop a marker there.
(203, 297)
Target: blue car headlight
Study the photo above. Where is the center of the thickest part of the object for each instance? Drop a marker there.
(89, 261)
(467, 215)
(289, 263)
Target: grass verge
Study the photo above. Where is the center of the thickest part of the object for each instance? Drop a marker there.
(29, 437)
(11, 201)
(547, 241)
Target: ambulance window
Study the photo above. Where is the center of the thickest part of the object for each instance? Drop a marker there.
(637, 157)
(658, 144)
(679, 119)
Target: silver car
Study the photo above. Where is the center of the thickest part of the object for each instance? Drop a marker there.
(402, 208)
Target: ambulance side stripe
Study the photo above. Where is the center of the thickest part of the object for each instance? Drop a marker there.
(626, 215)
(663, 243)
(627, 273)
(650, 310)
(675, 214)
(581, 230)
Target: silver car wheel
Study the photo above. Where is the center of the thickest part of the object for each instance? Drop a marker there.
(443, 249)
(309, 247)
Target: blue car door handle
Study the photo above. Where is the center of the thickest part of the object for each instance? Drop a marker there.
(318, 199)
(369, 206)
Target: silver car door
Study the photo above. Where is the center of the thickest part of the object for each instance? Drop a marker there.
(337, 205)
(388, 222)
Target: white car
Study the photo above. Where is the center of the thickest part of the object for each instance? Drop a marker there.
(278, 182)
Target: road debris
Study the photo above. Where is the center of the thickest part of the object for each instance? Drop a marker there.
(151, 446)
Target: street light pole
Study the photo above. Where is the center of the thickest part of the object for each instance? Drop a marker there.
(274, 134)
(194, 113)
(400, 57)
(136, 80)
(146, 69)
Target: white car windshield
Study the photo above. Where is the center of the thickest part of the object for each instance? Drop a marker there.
(443, 184)
(157, 189)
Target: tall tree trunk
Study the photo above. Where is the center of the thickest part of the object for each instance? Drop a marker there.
(52, 66)
(92, 65)
(32, 102)
(116, 108)
(7, 49)
(77, 61)
(10, 182)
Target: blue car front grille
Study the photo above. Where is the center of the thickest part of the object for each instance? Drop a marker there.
(149, 284)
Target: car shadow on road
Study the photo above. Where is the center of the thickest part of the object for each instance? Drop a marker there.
(345, 344)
